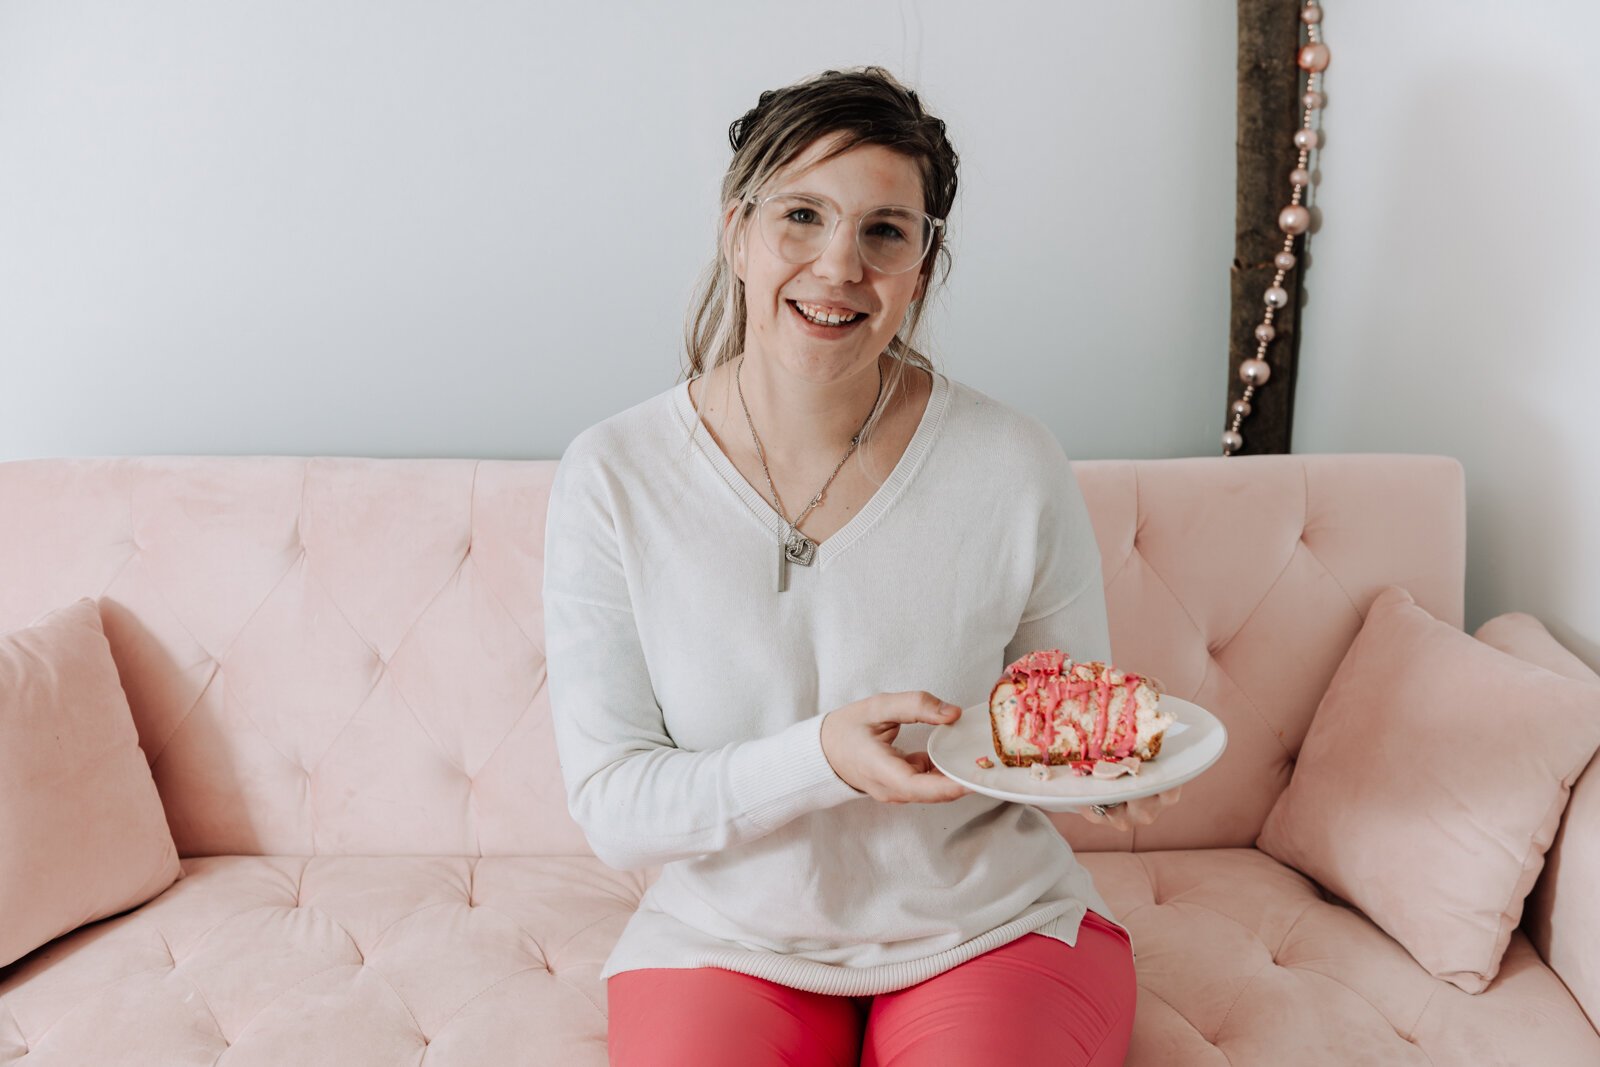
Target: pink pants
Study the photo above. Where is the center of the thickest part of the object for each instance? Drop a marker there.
(1035, 1000)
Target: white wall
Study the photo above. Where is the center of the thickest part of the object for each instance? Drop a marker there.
(384, 229)
(1451, 289)
(381, 228)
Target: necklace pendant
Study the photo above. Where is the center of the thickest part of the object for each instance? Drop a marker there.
(800, 548)
(795, 548)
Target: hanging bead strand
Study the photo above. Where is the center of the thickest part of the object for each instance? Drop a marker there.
(1293, 220)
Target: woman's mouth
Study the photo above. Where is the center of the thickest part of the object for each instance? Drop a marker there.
(822, 321)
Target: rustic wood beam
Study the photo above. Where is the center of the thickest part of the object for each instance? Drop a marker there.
(1269, 111)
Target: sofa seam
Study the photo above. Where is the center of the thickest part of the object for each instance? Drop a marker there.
(208, 931)
(1225, 916)
(1243, 989)
(285, 992)
(1190, 1022)
(463, 1006)
(1305, 524)
(217, 672)
(217, 659)
(1149, 874)
(1199, 632)
(472, 537)
(394, 682)
(544, 954)
(1369, 1002)
(78, 1004)
(118, 572)
(181, 720)
(1417, 1022)
(395, 685)
(411, 1014)
(28, 1045)
(526, 709)
(1256, 609)
(213, 1012)
(1259, 714)
(1133, 542)
(1284, 940)
(590, 1000)
(390, 926)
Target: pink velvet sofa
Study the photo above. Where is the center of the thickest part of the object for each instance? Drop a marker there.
(335, 670)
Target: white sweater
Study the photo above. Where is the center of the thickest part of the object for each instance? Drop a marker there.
(688, 694)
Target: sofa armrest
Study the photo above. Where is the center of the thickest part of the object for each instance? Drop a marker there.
(1562, 917)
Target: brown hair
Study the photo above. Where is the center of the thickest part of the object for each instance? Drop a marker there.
(864, 105)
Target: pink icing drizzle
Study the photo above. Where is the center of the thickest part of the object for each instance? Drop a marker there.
(1046, 680)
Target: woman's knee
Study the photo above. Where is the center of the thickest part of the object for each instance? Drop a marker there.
(1036, 1000)
(709, 1017)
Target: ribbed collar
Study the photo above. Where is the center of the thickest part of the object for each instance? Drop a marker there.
(863, 520)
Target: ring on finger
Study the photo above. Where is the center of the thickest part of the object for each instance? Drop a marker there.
(1103, 809)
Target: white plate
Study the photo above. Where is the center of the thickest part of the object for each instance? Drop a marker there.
(1190, 745)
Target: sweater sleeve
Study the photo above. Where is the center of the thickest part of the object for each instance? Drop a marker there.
(640, 799)
(1067, 607)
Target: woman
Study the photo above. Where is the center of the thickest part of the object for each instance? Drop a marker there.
(750, 638)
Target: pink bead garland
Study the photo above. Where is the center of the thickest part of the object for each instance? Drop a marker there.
(1292, 220)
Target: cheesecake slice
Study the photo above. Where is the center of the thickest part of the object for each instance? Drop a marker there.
(1090, 717)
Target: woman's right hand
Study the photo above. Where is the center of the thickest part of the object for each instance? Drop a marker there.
(858, 741)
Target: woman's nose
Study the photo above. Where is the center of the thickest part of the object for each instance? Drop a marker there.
(840, 260)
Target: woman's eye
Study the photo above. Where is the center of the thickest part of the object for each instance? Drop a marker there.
(795, 214)
(885, 232)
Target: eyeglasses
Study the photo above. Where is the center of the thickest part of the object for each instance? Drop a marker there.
(798, 228)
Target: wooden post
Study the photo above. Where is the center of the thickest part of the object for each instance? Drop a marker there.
(1269, 113)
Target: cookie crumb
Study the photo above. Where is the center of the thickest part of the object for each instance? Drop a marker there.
(1039, 772)
(985, 762)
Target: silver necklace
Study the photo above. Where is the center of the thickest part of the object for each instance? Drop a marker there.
(796, 546)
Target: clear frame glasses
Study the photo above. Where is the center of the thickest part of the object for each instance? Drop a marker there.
(798, 228)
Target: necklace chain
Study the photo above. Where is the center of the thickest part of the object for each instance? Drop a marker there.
(794, 525)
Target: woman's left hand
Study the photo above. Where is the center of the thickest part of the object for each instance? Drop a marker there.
(1127, 815)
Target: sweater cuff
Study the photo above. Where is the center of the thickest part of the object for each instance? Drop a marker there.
(779, 778)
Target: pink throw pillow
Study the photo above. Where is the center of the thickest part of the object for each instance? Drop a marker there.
(1430, 784)
(82, 831)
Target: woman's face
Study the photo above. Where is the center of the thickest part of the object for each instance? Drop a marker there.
(865, 177)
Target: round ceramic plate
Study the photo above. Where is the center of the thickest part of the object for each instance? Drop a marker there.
(1190, 745)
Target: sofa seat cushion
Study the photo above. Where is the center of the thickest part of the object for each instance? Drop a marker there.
(365, 960)
(1243, 960)
(360, 960)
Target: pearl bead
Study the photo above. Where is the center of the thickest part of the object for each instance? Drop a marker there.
(1313, 99)
(1283, 261)
(1299, 176)
(1276, 296)
(1306, 138)
(1240, 408)
(1311, 15)
(1254, 372)
(1265, 332)
(1314, 57)
(1231, 440)
(1294, 219)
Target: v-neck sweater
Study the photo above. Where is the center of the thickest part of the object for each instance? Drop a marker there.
(687, 695)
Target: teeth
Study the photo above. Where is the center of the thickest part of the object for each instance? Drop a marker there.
(823, 317)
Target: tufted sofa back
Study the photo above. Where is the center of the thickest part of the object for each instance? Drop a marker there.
(331, 655)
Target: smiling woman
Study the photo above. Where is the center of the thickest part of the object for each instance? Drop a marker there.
(826, 895)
